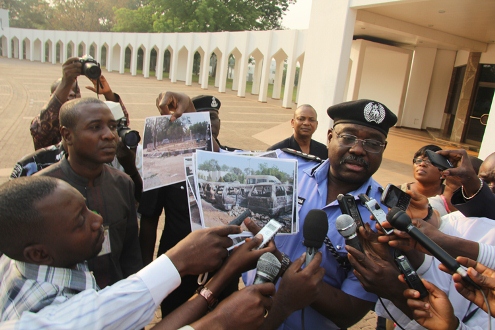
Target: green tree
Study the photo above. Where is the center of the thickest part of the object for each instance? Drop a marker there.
(28, 14)
(204, 15)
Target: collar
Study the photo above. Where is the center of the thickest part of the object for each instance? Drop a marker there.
(79, 279)
(76, 178)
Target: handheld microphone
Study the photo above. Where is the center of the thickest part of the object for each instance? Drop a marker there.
(400, 220)
(267, 268)
(346, 226)
(240, 218)
(315, 230)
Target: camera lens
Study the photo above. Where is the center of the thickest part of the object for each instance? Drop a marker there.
(91, 70)
(130, 137)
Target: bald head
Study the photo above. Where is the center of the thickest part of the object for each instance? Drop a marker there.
(307, 109)
(487, 171)
(70, 110)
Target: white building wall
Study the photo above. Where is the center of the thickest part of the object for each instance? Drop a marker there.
(383, 74)
(418, 86)
(439, 89)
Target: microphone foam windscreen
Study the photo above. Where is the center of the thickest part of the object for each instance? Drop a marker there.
(268, 266)
(346, 225)
(398, 218)
(315, 228)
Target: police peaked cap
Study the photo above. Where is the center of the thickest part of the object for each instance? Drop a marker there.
(363, 112)
(206, 103)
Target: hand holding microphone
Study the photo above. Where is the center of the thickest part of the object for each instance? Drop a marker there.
(400, 220)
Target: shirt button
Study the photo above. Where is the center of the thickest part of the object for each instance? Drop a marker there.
(338, 247)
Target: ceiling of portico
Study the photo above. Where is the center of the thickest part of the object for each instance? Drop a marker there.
(445, 24)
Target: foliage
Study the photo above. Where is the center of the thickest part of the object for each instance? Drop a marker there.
(29, 14)
(202, 16)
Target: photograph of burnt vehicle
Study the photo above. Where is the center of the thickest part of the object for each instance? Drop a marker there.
(230, 184)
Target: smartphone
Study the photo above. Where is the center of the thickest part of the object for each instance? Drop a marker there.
(348, 206)
(393, 196)
(438, 160)
(268, 232)
(375, 209)
(412, 278)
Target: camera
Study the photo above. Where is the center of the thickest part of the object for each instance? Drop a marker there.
(392, 196)
(90, 68)
(129, 137)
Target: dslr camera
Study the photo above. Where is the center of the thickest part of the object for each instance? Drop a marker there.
(129, 137)
(90, 68)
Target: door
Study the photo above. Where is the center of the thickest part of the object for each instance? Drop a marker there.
(481, 106)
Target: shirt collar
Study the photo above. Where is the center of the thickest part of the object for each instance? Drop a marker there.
(80, 180)
(79, 279)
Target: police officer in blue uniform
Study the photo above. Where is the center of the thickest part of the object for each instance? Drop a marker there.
(355, 149)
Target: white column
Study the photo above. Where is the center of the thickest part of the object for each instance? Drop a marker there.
(146, 62)
(289, 83)
(277, 83)
(134, 55)
(159, 64)
(417, 89)
(328, 47)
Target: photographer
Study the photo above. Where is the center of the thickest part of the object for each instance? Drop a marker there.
(45, 126)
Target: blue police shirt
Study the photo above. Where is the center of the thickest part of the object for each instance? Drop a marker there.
(312, 194)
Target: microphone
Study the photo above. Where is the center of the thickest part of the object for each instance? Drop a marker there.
(267, 268)
(315, 230)
(240, 218)
(400, 220)
(346, 226)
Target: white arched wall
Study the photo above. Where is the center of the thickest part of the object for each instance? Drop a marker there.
(37, 50)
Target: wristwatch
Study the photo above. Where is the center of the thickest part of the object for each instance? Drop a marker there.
(208, 295)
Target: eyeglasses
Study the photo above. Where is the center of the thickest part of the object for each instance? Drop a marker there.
(418, 161)
(348, 140)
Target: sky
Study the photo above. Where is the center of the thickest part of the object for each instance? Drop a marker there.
(297, 16)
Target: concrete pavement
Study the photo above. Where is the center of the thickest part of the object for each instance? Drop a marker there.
(246, 123)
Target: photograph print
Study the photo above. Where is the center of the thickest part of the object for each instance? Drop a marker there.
(166, 144)
(229, 184)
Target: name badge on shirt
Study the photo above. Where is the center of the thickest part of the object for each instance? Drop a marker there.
(300, 201)
(105, 249)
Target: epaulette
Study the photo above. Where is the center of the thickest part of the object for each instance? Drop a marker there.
(302, 155)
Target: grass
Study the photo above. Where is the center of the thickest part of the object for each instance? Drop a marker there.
(211, 82)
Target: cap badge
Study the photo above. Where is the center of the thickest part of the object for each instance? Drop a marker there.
(214, 102)
(374, 112)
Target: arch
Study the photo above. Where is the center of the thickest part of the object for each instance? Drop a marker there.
(14, 46)
(234, 66)
(48, 51)
(81, 49)
(198, 66)
(4, 43)
(215, 60)
(167, 61)
(71, 50)
(128, 57)
(141, 59)
(26, 49)
(297, 81)
(182, 55)
(93, 51)
(59, 51)
(278, 73)
(104, 55)
(255, 65)
(37, 50)
(115, 58)
(153, 61)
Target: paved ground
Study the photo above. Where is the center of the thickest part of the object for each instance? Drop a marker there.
(246, 123)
